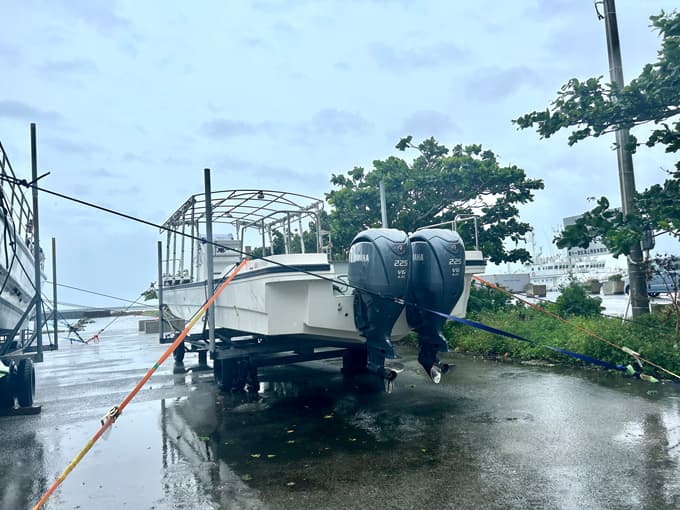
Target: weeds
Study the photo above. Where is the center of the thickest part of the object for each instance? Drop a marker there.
(651, 336)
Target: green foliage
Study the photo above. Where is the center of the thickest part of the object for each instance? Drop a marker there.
(649, 336)
(278, 242)
(592, 109)
(618, 232)
(484, 299)
(278, 245)
(574, 301)
(436, 187)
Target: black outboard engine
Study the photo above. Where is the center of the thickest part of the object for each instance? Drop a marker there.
(436, 283)
(378, 269)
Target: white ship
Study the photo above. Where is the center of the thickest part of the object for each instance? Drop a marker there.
(581, 264)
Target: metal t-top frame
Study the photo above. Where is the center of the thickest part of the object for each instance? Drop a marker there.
(240, 210)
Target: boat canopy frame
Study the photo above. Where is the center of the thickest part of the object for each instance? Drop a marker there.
(241, 209)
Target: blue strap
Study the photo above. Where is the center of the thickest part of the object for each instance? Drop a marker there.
(500, 332)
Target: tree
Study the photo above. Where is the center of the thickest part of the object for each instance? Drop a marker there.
(574, 301)
(436, 187)
(593, 109)
(278, 239)
(278, 245)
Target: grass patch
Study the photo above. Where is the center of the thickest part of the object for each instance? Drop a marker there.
(651, 336)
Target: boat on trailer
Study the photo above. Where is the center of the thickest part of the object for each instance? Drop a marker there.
(291, 302)
(21, 260)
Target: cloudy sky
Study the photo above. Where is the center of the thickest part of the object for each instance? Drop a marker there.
(133, 99)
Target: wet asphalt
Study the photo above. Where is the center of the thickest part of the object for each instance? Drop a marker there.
(491, 435)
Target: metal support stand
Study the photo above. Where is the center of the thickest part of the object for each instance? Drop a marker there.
(36, 245)
(160, 292)
(202, 362)
(8, 345)
(209, 247)
(55, 324)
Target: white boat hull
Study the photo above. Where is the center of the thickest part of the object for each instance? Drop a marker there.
(16, 277)
(265, 300)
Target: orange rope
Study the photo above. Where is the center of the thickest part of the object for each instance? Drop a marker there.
(580, 328)
(115, 412)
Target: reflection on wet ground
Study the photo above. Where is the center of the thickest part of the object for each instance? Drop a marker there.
(490, 436)
(19, 483)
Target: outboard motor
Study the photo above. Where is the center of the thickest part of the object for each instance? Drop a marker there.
(435, 283)
(378, 269)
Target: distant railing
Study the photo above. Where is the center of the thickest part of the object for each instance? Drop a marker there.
(460, 218)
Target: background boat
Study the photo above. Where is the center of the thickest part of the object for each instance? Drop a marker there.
(16, 248)
(557, 269)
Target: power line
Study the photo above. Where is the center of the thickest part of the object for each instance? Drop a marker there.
(33, 185)
(100, 294)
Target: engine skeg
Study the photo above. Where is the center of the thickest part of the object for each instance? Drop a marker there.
(436, 282)
(379, 261)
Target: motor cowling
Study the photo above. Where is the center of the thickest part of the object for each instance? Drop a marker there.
(378, 269)
(436, 282)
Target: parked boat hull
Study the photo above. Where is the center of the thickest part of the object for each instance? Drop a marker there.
(16, 280)
(267, 300)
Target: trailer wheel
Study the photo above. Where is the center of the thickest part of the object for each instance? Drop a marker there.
(231, 375)
(25, 383)
(6, 391)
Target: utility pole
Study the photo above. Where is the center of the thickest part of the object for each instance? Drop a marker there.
(636, 269)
